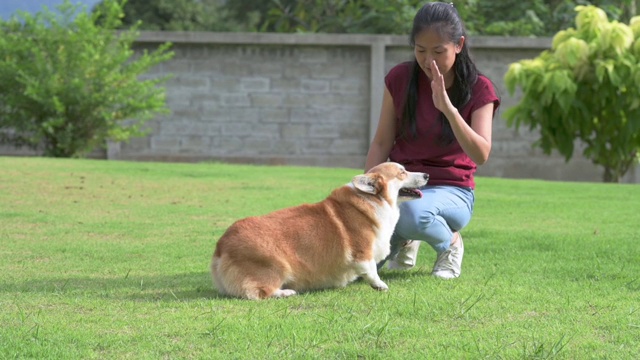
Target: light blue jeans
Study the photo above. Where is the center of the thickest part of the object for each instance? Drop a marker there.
(434, 218)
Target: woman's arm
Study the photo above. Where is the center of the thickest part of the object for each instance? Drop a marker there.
(385, 133)
(475, 140)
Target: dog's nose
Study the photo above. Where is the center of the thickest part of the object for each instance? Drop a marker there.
(425, 176)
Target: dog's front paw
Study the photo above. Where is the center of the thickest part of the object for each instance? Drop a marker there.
(380, 286)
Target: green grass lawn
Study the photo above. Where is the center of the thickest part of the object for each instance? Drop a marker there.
(110, 260)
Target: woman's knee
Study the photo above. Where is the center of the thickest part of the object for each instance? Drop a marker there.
(414, 225)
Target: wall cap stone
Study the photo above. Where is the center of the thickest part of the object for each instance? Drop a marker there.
(195, 37)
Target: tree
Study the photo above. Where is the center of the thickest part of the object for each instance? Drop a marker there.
(584, 88)
(482, 17)
(180, 15)
(67, 84)
(341, 16)
(326, 16)
(536, 17)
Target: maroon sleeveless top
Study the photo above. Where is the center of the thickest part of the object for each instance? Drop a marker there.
(445, 164)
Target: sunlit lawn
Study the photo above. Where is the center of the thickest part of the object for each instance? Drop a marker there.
(110, 260)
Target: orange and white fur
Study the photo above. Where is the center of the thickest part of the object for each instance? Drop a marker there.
(316, 246)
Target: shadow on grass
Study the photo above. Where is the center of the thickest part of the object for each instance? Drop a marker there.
(176, 287)
(150, 288)
(418, 271)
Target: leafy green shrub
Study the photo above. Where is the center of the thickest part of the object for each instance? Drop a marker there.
(68, 84)
(326, 16)
(481, 17)
(181, 15)
(584, 88)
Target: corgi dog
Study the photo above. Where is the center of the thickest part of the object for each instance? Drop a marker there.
(316, 246)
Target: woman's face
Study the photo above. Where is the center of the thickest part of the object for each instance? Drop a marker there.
(430, 46)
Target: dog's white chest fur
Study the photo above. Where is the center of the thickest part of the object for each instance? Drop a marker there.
(389, 215)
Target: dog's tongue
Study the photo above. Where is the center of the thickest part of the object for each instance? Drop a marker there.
(412, 192)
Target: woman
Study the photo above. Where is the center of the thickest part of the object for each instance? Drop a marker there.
(436, 118)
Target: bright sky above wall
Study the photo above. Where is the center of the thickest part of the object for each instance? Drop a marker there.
(9, 7)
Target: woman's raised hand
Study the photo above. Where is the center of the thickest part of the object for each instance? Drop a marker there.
(440, 97)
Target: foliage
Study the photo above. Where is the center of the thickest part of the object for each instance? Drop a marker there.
(68, 84)
(482, 17)
(541, 17)
(586, 88)
(327, 16)
(509, 18)
(341, 16)
(179, 15)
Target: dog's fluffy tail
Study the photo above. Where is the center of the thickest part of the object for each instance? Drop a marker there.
(231, 280)
(218, 282)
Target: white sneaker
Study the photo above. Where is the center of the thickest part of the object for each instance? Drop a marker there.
(406, 258)
(449, 263)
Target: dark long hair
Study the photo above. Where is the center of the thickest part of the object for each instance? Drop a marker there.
(444, 19)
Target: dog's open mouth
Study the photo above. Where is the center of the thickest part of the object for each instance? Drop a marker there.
(410, 193)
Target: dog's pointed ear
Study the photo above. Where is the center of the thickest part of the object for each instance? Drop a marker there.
(367, 183)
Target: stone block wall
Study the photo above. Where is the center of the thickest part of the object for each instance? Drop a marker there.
(310, 99)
